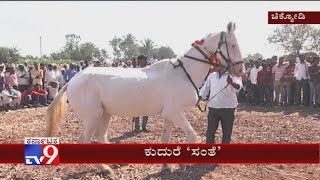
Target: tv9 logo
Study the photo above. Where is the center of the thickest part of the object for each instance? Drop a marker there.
(41, 151)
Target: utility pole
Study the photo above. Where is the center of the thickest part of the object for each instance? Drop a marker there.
(40, 48)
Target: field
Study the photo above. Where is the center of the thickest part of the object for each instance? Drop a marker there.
(252, 125)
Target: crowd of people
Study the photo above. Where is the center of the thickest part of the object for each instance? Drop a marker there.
(284, 81)
(267, 82)
(34, 85)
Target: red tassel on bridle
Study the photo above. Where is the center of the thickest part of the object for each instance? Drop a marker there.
(213, 57)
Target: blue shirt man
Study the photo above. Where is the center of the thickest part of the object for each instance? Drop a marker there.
(70, 73)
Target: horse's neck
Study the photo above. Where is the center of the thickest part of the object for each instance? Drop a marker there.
(197, 70)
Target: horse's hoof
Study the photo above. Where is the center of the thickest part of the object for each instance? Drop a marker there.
(105, 168)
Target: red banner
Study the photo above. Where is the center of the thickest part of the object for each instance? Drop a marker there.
(294, 17)
(174, 153)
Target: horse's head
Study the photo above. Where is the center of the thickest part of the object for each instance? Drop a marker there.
(225, 50)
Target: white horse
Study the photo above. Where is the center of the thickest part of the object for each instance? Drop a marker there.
(97, 93)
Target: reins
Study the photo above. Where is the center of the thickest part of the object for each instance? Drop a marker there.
(209, 60)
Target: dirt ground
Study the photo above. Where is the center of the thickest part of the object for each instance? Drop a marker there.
(252, 125)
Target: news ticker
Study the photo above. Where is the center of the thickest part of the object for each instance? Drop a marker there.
(49, 151)
(294, 17)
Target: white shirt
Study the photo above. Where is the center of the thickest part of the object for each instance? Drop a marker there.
(50, 76)
(153, 60)
(53, 92)
(301, 71)
(23, 80)
(61, 80)
(254, 74)
(227, 98)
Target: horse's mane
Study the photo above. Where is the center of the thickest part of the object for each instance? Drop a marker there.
(210, 35)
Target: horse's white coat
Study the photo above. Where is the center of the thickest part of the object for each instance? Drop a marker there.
(97, 93)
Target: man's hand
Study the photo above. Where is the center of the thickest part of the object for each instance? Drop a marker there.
(229, 80)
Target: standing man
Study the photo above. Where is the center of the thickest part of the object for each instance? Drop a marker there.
(264, 84)
(23, 78)
(302, 83)
(292, 65)
(134, 63)
(153, 60)
(70, 72)
(314, 72)
(277, 73)
(143, 62)
(36, 75)
(86, 64)
(2, 79)
(51, 77)
(254, 85)
(44, 70)
(222, 106)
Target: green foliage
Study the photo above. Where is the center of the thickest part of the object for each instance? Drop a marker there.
(129, 47)
(76, 51)
(165, 52)
(47, 61)
(147, 47)
(295, 38)
(115, 43)
(315, 40)
(9, 55)
(126, 48)
(253, 57)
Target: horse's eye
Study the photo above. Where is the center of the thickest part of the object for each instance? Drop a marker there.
(233, 46)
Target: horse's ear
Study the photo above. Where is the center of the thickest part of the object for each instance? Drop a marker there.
(231, 26)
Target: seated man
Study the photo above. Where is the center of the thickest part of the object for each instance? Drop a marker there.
(34, 96)
(42, 95)
(10, 97)
(26, 97)
(52, 90)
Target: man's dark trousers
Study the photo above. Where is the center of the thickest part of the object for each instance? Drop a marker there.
(226, 115)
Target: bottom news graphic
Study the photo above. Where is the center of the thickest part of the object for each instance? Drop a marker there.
(41, 151)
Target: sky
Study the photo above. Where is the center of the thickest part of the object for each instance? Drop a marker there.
(174, 24)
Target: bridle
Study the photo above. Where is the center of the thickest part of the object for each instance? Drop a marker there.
(212, 60)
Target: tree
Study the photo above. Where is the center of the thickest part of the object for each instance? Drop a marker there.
(87, 51)
(129, 47)
(103, 54)
(45, 57)
(9, 55)
(115, 43)
(72, 43)
(147, 47)
(315, 44)
(165, 52)
(253, 57)
(292, 38)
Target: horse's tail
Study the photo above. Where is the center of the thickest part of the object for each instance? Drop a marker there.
(55, 112)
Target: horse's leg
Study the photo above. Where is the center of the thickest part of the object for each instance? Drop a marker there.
(102, 130)
(101, 135)
(165, 138)
(86, 133)
(167, 130)
(179, 119)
